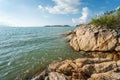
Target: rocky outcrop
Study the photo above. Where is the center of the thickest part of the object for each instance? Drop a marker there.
(95, 38)
(82, 69)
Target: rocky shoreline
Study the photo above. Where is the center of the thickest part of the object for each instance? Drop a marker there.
(82, 69)
(94, 38)
(99, 42)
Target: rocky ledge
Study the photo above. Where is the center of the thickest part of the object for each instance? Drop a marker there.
(94, 38)
(82, 69)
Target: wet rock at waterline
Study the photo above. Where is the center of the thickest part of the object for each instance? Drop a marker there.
(94, 38)
(82, 69)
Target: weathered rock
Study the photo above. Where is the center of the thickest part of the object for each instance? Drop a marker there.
(55, 76)
(95, 38)
(111, 55)
(74, 42)
(69, 35)
(82, 69)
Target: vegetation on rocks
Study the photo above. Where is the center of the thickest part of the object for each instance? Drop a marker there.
(110, 19)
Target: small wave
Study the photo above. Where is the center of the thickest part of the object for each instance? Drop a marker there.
(24, 48)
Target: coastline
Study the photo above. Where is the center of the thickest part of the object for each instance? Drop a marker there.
(66, 70)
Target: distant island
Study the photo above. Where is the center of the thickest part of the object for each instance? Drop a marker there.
(57, 26)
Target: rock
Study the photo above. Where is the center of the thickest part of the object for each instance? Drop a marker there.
(74, 42)
(111, 55)
(82, 69)
(118, 45)
(95, 38)
(55, 76)
(40, 76)
(110, 75)
(69, 35)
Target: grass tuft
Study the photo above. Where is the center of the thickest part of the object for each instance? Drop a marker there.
(109, 19)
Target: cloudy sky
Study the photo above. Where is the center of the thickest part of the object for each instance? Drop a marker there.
(52, 12)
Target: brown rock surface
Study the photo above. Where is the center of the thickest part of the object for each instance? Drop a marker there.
(111, 55)
(82, 69)
(94, 38)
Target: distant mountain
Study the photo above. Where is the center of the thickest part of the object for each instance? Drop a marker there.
(57, 26)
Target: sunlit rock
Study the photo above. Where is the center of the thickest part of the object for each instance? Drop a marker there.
(95, 38)
(82, 69)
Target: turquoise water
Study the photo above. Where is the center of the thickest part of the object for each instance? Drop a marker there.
(26, 50)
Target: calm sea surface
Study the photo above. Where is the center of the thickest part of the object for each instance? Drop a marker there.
(26, 50)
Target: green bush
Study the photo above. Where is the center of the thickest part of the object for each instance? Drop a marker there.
(109, 19)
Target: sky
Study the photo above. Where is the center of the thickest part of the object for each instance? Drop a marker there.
(52, 12)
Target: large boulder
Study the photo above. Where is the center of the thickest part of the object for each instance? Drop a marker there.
(95, 38)
(82, 69)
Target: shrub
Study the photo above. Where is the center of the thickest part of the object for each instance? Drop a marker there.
(109, 19)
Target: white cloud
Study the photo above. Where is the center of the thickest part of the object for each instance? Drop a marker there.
(40, 7)
(64, 7)
(83, 18)
(117, 7)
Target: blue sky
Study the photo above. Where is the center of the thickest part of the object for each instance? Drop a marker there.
(52, 12)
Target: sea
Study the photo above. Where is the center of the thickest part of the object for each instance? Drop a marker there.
(24, 51)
